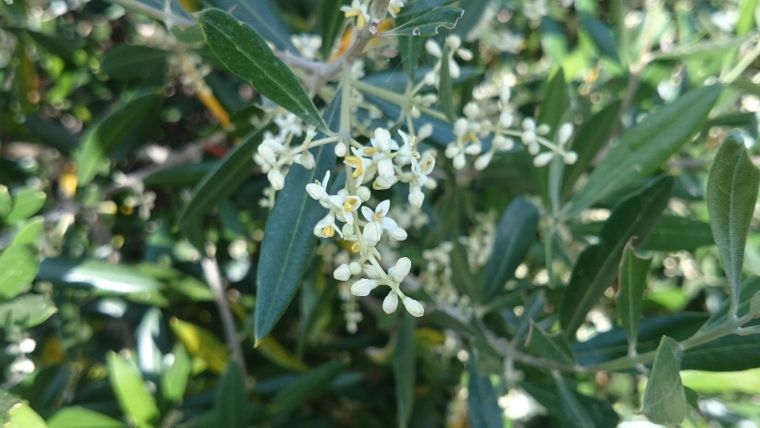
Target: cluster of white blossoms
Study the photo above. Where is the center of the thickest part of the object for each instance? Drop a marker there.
(489, 128)
(359, 9)
(381, 164)
(437, 277)
(455, 50)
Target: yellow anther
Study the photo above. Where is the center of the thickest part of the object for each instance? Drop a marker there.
(355, 247)
(351, 204)
(327, 231)
(355, 163)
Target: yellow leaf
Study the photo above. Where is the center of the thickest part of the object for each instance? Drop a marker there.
(278, 354)
(202, 344)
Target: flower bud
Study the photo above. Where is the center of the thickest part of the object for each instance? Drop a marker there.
(413, 307)
(342, 272)
(276, 179)
(363, 287)
(390, 303)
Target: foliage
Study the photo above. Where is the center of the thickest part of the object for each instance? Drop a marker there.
(379, 213)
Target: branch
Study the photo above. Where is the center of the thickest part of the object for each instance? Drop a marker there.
(214, 278)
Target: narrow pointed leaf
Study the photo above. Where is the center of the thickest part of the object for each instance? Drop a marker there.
(429, 22)
(664, 397)
(263, 16)
(289, 236)
(601, 35)
(76, 416)
(404, 372)
(515, 234)
(643, 148)
(19, 266)
(219, 183)
(306, 387)
(330, 20)
(116, 128)
(633, 282)
(553, 347)
(130, 390)
(597, 266)
(731, 194)
(576, 414)
(231, 410)
(482, 407)
(244, 52)
(445, 87)
(26, 202)
(27, 310)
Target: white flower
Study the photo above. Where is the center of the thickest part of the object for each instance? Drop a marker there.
(276, 179)
(416, 197)
(394, 7)
(379, 221)
(357, 9)
(326, 227)
(317, 190)
(382, 144)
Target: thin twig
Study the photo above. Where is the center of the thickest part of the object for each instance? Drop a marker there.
(214, 278)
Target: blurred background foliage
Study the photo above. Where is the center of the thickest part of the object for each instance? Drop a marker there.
(108, 319)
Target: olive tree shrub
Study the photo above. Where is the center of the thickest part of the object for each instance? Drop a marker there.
(378, 213)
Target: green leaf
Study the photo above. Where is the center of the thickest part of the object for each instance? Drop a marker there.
(633, 282)
(231, 398)
(473, 11)
(553, 347)
(104, 137)
(27, 311)
(219, 183)
(664, 397)
(597, 266)
(483, 408)
(19, 267)
(555, 103)
(26, 202)
(97, 274)
(174, 377)
(587, 142)
(428, 22)
(23, 416)
(601, 35)
(574, 411)
(81, 417)
(244, 52)
(515, 234)
(29, 232)
(6, 203)
(700, 49)
(732, 188)
(125, 62)
(404, 369)
(746, 381)
(645, 147)
(263, 16)
(746, 21)
(306, 387)
(673, 233)
(289, 236)
(547, 393)
(445, 97)
(130, 390)
(330, 20)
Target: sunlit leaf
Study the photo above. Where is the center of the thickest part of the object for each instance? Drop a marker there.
(731, 194)
(244, 52)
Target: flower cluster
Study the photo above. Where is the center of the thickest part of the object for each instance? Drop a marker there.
(494, 123)
(381, 164)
